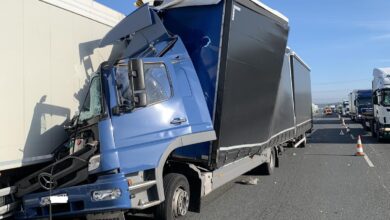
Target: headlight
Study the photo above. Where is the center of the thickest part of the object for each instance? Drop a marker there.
(94, 163)
(103, 195)
(359, 116)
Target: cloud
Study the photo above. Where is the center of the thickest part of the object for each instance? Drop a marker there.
(381, 37)
(382, 60)
(374, 25)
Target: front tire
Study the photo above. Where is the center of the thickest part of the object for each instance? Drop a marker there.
(177, 198)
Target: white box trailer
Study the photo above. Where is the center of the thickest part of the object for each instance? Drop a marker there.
(47, 53)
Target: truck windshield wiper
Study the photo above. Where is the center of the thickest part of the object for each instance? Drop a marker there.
(168, 47)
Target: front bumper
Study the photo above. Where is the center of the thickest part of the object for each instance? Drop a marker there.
(384, 131)
(80, 200)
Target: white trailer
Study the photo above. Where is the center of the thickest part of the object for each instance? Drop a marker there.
(47, 53)
(380, 125)
(353, 111)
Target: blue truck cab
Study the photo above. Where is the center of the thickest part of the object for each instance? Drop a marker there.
(185, 103)
(364, 106)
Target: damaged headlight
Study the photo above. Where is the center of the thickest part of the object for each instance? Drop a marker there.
(94, 163)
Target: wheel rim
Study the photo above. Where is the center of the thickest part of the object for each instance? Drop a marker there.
(180, 202)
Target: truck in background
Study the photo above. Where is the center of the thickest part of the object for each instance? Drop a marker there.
(188, 105)
(380, 124)
(49, 50)
(360, 102)
(345, 108)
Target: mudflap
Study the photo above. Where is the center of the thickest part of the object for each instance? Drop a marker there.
(120, 215)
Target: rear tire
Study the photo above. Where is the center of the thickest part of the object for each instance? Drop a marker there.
(177, 198)
(269, 167)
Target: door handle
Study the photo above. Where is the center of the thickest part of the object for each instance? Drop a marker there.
(178, 121)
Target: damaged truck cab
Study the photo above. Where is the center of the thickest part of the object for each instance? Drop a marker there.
(136, 113)
(186, 103)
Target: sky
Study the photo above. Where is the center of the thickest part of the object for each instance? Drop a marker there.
(341, 40)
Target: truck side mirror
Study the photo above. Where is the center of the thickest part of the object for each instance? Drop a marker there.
(375, 100)
(137, 79)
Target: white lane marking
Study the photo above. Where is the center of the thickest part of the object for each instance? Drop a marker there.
(370, 164)
(353, 138)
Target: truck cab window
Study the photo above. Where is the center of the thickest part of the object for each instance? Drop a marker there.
(386, 98)
(157, 83)
(123, 85)
(92, 106)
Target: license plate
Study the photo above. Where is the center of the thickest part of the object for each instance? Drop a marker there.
(56, 199)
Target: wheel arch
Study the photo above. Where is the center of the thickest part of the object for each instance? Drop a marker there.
(179, 142)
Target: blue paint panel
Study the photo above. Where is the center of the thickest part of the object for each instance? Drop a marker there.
(200, 29)
(142, 136)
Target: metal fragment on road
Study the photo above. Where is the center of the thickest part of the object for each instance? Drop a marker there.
(250, 181)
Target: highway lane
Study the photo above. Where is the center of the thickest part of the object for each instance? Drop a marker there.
(322, 181)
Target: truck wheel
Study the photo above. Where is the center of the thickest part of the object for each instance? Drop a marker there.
(373, 127)
(378, 138)
(177, 197)
(268, 167)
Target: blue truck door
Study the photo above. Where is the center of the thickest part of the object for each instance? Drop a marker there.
(163, 118)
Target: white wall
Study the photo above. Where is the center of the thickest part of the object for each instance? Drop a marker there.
(47, 52)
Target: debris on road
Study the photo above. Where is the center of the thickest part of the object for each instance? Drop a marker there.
(250, 181)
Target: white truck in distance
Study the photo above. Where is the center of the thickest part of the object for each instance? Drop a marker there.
(380, 125)
(345, 108)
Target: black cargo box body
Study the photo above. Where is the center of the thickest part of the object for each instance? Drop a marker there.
(302, 94)
(242, 81)
(284, 113)
(246, 113)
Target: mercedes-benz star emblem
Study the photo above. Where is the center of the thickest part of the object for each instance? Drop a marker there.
(45, 180)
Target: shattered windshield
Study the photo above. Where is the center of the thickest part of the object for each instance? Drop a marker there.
(92, 105)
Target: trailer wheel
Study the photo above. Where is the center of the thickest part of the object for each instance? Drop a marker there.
(177, 197)
(268, 167)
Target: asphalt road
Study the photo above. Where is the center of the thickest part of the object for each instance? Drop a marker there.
(322, 181)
